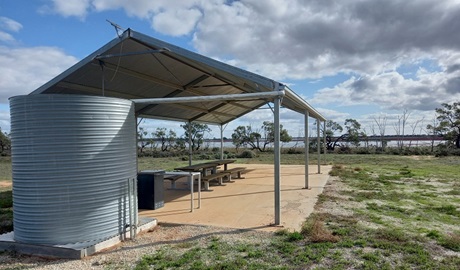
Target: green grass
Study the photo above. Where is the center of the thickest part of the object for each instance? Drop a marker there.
(392, 212)
(5, 168)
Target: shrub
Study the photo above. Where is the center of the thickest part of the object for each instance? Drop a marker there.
(247, 154)
(294, 150)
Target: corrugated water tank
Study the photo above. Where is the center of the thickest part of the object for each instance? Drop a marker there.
(72, 158)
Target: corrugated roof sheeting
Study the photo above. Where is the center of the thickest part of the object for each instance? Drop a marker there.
(137, 66)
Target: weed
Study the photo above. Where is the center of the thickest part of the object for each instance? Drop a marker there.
(391, 234)
(451, 241)
(372, 256)
(434, 234)
(294, 236)
(448, 209)
(453, 192)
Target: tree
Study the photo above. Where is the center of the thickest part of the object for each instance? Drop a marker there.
(197, 133)
(449, 122)
(166, 139)
(331, 128)
(400, 127)
(5, 142)
(353, 128)
(381, 124)
(141, 133)
(352, 135)
(239, 137)
(258, 139)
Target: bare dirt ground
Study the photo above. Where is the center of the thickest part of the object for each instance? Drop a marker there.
(5, 183)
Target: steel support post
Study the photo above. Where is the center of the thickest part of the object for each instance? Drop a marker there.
(190, 150)
(277, 162)
(221, 142)
(324, 141)
(307, 150)
(318, 141)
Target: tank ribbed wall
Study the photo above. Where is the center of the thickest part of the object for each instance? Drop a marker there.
(72, 157)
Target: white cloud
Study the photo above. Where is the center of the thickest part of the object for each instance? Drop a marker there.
(8, 24)
(390, 90)
(68, 8)
(22, 70)
(295, 39)
(176, 23)
(6, 37)
(169, 17)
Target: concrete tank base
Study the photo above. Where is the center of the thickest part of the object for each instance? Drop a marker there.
(74, 250)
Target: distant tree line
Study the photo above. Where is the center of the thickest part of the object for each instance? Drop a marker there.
(445, 124)
(338, 137)
(5, 143)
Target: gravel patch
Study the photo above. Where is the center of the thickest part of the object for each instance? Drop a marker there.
(127, 254)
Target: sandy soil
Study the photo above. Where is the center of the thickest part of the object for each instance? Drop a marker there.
(5, 183)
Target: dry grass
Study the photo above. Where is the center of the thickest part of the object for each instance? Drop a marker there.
(314, 228)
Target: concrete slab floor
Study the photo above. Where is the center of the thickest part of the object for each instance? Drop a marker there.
(246, 203)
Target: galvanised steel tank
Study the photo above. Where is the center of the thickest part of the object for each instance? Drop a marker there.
(72, 158)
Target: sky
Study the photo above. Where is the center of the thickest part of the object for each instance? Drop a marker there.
(367, 60)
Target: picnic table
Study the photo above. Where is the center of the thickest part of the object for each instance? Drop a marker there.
(212, 166)
(224, 162)
(201, 167)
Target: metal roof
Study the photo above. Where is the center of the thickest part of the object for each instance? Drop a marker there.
(136, 66)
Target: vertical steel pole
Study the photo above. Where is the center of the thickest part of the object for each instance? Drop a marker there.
(190, 150)
(277, 162)
(135, 209)
(307, 149)
(221, 142)
(318, 140)
(130, 210)
(324, 141)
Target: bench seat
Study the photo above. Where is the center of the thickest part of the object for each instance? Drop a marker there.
(216, 176)
(238, 171)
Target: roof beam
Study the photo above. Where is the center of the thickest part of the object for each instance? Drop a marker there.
(236, 104)
(128, 54)
(94, 90)
(142, 76)
(176, 92)
(247, 96)
(210, 111)
(206, 111)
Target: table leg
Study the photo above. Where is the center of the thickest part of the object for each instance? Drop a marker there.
(190, 178)
(199, 190)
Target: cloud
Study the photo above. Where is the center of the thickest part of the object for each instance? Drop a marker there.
(176, 23)
(8, 25)
(390, 90)
(174, 18)
(22, 70)
(5, 37)
(68, 8)
(294, 39)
